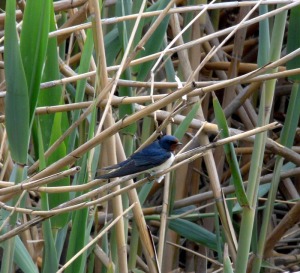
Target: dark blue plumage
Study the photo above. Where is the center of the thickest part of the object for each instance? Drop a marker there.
(156, 156)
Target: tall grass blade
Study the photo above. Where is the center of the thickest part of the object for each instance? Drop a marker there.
(226, 261)
(51, 96)
(79, 232)
(194, 233)
(230, 154)
(23, 259)
(287, 133)
(50, 259)
(33, 46)
(154, 44)
(80, 88)
(185, 124)
(266, 102)
(56, 199)
(248, 214)
(16, 100)
(112, 46)
(124, 8)
(17, 119)
(18, 174)
(293, 41)
(264, 39)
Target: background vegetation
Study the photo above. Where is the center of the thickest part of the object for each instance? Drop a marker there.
(84, 83)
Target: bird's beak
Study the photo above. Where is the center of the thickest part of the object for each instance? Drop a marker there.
(177, 145)
(174, 146)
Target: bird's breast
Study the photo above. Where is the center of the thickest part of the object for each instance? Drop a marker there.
(164, 165)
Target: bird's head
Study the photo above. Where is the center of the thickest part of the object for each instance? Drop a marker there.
(170, 143)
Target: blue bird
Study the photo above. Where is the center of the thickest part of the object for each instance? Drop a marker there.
(157, 156)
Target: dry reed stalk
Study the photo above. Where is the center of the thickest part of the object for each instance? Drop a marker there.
(109, 145)
(190, 59)
(80, 202)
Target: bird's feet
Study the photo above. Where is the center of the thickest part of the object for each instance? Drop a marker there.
(151, 176)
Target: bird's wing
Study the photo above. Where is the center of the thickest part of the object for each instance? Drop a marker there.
(138, 162)
(150, 157)
(112, 167)
(129, 168)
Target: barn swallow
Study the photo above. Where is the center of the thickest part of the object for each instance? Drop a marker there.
(157, 156)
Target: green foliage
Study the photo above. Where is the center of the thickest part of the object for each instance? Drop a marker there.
(17, 99)
(194, 233)
(31, 58)
(33, 46)
(230, 154)
(52, 95)
(153, 45)
(293, 41)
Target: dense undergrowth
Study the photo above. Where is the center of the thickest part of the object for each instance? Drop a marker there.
(85, 83)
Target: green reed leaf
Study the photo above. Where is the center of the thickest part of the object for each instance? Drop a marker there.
(16, 100)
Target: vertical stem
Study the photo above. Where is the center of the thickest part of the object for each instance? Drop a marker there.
(163, 220)
(252, 189)
(287, 133)
(9, 223)
(112, 158)
(165, 211)
(266, 102)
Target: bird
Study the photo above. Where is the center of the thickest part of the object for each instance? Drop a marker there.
(157, 156)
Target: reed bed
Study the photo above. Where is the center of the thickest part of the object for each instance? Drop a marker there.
(85, 83)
